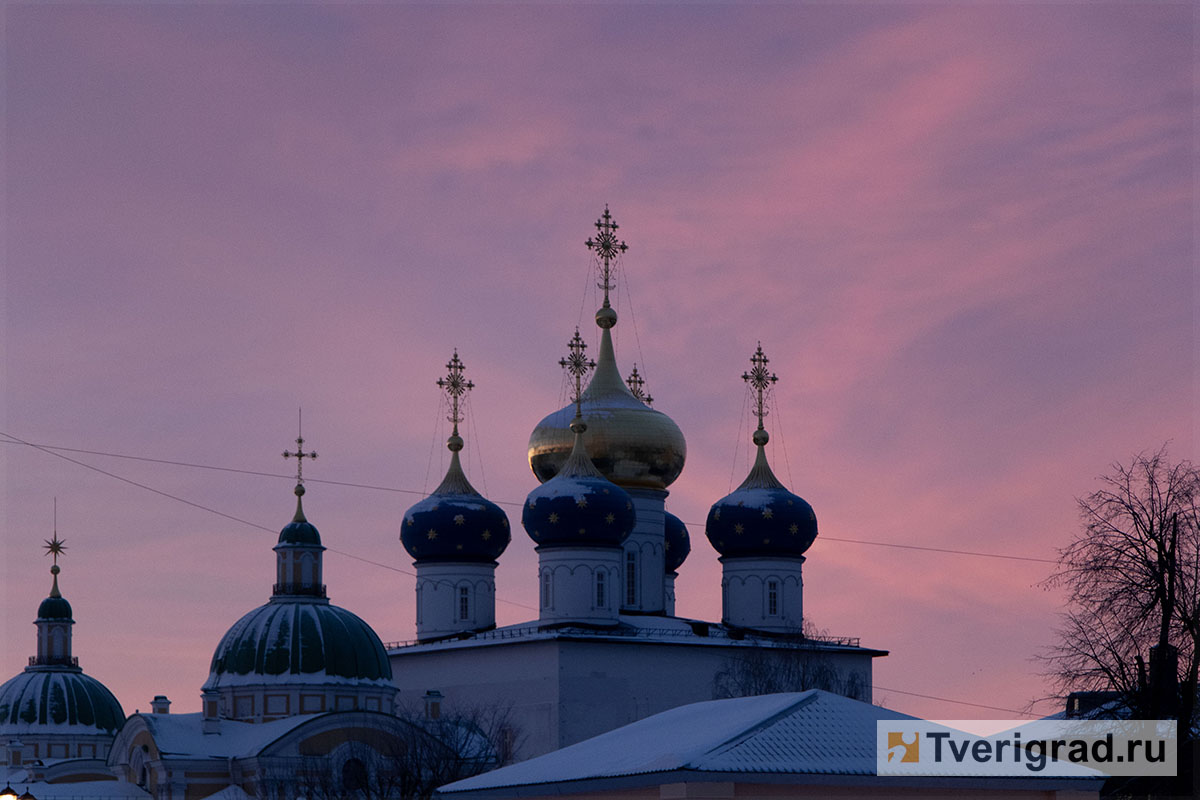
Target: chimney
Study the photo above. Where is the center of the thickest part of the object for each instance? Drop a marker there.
(160, 704)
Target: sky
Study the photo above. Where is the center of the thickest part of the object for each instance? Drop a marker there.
(963, 235)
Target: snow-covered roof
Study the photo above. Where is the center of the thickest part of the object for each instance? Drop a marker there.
(813, 732)
(81, 790)
(181, 734)
(630, 628)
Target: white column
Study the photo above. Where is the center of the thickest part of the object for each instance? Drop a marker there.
(764, 594)
(647, 545)
(579, 584)
(453, 597)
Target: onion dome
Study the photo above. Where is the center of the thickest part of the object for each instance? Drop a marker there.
(578, 506)
(299, 642)
(630, 443)
(45, 699)
(55, 606)
(761, 517)
(677, 543)
(455, 522)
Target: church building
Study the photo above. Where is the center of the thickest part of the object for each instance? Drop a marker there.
(608, 647)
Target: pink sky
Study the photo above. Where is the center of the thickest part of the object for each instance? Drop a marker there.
(963, 235)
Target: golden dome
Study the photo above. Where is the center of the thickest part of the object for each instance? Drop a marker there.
(631, 444)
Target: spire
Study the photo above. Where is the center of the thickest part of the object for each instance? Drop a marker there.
(299, 455)
(456, 387)
(760, 380)
(55, 547)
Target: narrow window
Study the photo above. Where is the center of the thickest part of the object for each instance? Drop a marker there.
(601, 598)
(545, 590)
(772, 598)
(631, 578)
(464, 603)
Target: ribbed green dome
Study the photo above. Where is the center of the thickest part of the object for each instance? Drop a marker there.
(49, 700)
(307, 642)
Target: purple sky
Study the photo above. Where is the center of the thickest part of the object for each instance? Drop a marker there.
(963, 235)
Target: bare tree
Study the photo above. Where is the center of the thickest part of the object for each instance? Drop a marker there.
(793, 663)
(1133, 581)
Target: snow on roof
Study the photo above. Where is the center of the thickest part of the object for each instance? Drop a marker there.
(652, 629)
(799, 732)
(230, 792)
(82, 790)
(181, 735)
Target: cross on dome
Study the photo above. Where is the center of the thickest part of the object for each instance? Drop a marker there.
(759, 378)
(300, 455)
(456, 387)
(607, 249)
(637, 384)
(577, 365)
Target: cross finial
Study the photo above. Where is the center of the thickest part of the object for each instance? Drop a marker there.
(455, 387)
(577, 365)
(300, 455)
(636, 384)
(607, 249)
(759, 379)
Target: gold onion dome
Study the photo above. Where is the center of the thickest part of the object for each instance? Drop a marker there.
(631, 444)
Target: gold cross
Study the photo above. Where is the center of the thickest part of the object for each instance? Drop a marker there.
(455, 388)
(300, 455)
(760, 380)
(607, 248)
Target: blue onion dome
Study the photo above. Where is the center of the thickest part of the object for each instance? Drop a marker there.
(53, 699)
(761, 517)
(55, 606)
(677, 542)
(299, 530)
(455, 522)
(578, 506)
(299, 641)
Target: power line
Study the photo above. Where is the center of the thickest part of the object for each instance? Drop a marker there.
(49, 450)
(948, 700)
(55, 450)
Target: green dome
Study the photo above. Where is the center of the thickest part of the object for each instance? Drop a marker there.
(54, 700)
(54, 608)
(298, 641)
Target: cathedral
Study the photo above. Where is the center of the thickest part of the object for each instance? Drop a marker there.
(302, 698)
(608, 646)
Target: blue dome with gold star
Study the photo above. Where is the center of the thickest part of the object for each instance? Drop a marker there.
(677, 543)
(455, 523)
(578, 506)
(761, 517)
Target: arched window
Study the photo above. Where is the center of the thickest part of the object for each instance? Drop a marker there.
(772, 598)
(306, 570)
(464, 603)
(547, 590)
(601, 591)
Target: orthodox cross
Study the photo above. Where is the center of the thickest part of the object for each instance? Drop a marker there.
(577, 364)
(636, 384)
(299, 455)
(607, 248)
(455, 387)
(759, 378)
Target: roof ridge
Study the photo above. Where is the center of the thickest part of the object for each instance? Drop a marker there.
(807, 696)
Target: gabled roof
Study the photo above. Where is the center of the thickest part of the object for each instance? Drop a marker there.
(813, 732)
